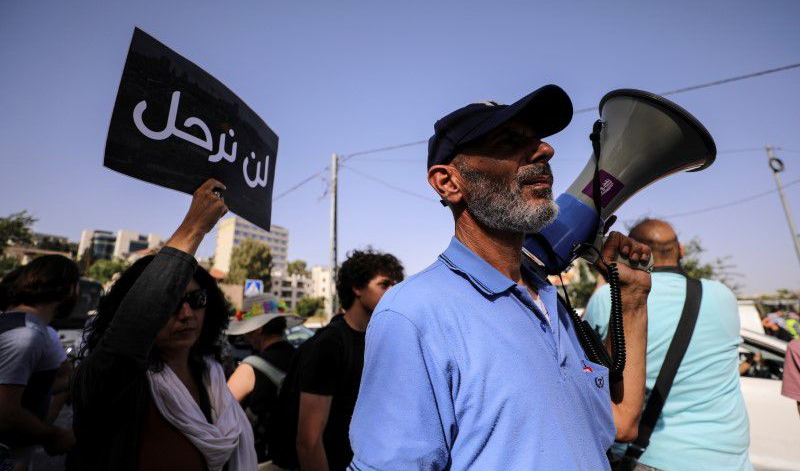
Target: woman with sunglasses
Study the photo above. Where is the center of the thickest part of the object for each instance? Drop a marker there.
(150, 393)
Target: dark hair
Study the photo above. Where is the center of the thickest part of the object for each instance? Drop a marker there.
(214, 323)
(276, 326)
(361, 267)
(46, 279)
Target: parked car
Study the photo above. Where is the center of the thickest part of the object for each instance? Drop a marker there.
(240, 349)
(298, 334)
(70, 329)
(774, 419)
(749, 317)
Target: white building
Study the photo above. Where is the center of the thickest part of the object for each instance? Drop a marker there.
(129, 242)
(107, 245)
(321, 285)
(290, 289)
(233, 230)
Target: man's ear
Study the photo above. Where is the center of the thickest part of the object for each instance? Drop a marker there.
(446, 180)
(357, 292)
(681, 252)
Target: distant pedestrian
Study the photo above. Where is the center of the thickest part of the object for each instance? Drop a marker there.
(30, 358)
(791, 372)
(330, 364)
(256, 380)
(149, 391)
(703, 423)
(793, 324)
(773, 325)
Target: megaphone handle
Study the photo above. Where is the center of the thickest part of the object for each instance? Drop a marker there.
(591, 255)
(646, 267)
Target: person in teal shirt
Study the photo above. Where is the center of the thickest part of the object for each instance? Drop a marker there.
(704, 423)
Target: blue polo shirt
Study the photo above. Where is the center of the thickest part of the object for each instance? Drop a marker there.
(463, 372)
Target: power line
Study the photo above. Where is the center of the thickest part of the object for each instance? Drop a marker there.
(732, 203)
(754, 149)
(382, 149)
(389, 185)
(712, 84)
(298, 185)
(740, 151)
(379, 159)
(687, 213)
(418, 161)
(732, 79)
(582, 110)
(586, 110)
(343, 159)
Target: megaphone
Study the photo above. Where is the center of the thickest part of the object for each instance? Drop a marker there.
(640, 138)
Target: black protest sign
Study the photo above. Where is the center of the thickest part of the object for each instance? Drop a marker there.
(177, 126)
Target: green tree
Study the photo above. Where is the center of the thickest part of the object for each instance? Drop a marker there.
(307, 307)
(55, 243)
(104, 270)
(86, 259)
(250, 260)
(14, 230)
(784, 293)
(7, 264)
(720, 269)
(581, 289)
(298, 267)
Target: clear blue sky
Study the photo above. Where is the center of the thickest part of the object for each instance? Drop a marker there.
(348, 76)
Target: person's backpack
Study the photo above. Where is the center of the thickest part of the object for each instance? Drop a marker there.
(282, 428)
(272, 372)
(258, 410)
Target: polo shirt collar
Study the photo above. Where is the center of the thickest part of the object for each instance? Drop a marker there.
(480, 273)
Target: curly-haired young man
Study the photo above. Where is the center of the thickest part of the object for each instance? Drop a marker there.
(329, 373)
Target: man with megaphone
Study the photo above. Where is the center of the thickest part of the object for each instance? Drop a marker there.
(474, 363)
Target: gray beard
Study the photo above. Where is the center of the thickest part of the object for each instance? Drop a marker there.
(501, 206)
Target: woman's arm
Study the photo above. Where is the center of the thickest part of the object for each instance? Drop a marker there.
(242, 382)
(156, 294)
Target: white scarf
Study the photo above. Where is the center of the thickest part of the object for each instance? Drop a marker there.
(229, 439)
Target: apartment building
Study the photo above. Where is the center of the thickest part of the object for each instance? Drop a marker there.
(233, 230)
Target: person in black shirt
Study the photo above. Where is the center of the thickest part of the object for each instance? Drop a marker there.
(256, 380)
(330, 364)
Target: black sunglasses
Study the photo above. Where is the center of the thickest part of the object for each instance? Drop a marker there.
(197, 299)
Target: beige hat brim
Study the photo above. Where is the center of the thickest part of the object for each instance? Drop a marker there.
(249, 324)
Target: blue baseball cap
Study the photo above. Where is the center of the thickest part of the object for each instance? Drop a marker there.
(547, 110)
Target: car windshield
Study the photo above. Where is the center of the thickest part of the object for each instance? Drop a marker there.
(299, 334)
(90, 292)
(767, 360)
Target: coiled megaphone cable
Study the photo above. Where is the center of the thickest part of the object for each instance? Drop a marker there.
(591, 342)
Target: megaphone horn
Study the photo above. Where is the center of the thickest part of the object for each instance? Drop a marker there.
(640, 137)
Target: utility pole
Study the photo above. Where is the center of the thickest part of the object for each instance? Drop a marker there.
(776, 165)
(332, 288)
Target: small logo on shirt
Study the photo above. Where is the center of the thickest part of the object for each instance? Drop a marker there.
(587, 368)
(599, 382)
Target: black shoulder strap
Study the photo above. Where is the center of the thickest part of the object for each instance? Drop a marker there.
(677, 348)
